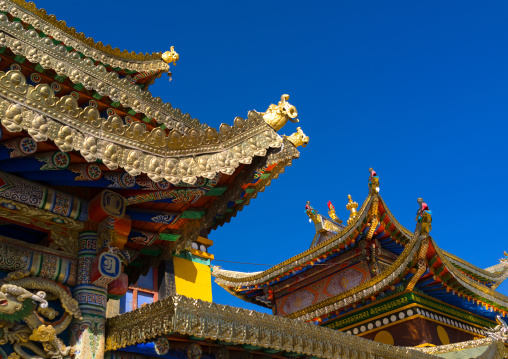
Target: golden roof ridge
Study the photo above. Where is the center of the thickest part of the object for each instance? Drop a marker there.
(71, 31)
(500, 275)
(468, 283)
(218, 273)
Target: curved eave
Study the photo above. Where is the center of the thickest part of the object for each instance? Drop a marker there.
(186, 316)
(58, 29)
(241, 280)
(283, 157)
(244, 297)
(93, 76)
(497, 274)
(486, 294)
(72, 128)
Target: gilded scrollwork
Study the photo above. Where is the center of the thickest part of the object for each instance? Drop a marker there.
(64, 231)
(24, 316)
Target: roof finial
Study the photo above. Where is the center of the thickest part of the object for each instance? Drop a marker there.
(505, 259)
(500, 332)
(373, 181)
(312, 213)
(171, 56)
(332, 214)
(424, 217)
(298, 138)
(278, 115)
(351, 206)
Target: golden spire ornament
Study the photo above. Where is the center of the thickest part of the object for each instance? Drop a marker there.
(351, 206)
(171, 56)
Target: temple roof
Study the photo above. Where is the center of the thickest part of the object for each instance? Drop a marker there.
(192, 317)
(28, 12)
(446, 277)
(77, 121)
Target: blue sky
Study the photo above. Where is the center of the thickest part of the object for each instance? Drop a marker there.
(416, 90)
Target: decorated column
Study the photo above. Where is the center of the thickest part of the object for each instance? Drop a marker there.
(97, 268)
(87, 334)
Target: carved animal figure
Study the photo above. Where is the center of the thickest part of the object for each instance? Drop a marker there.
(22, 313)
(298, 138)
(500, 332)
(278, 115)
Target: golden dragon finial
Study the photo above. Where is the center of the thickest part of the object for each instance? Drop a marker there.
(278, 115)
(351, 206)
(312, 213)
(171, 56)
(298, 138)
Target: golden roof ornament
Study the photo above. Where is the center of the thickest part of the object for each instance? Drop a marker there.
(312, 213)
(171, 56)
(278, 115)
(332, 214)
(298, 138)
(505, 259)
(424, 217)
(373, 181)
(351, 206)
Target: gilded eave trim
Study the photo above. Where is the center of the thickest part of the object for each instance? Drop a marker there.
(84, 71)
(239, 279)
(497, 277)
(480, 290)
(244, 279)
(59, 30)
(213, 321)
(37, 111)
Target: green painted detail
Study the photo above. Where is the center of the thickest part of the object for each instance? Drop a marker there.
(191, 257)
(96, 96)
(27, 309)
(131, 112)
(146, 119)
(19, 58)
(169, 237)
(136, 264)
(271, 351)
(2, 50)
(239, 201)
(60, 78)
(39, 68)
(229, 210)
(69, 48)
(446, 277)
(251, 347)
(432, 260)
(249, 190)
(56, 42)
(440, 269)
(115, 104)
(216, 191)
(200, 339)
(401, 301)
(193, 214)
(265, 175)
(78, 87)
(150, 251)
(163, 126)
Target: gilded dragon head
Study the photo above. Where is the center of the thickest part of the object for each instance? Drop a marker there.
(278, 115)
